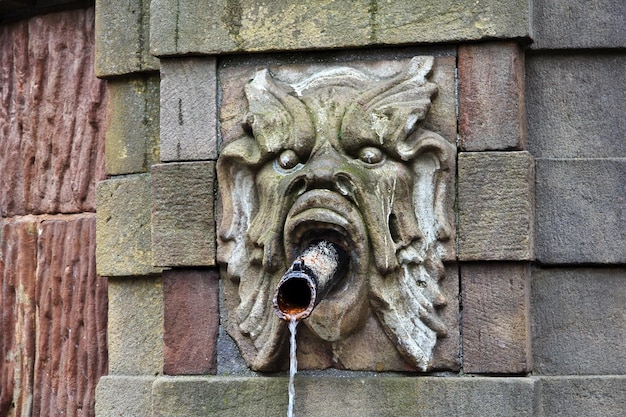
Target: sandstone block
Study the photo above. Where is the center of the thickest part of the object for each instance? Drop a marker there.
(580, 211)
(188, 109)
(579, 24)
(496, 206)
(346, 396)
(124, 396)
(496, 322)
(132, 136)
(573, 396)
(123, 38)
(178, 28)
(123, 239)
(183, 224)
(190, 321)
(575, 105)
(578, 321)
(492, 112)
(135, 326)
(52, 115)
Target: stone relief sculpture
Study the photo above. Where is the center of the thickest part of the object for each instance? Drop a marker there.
(340, 155)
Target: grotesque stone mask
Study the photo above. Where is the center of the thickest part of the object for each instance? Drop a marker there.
(341, 155)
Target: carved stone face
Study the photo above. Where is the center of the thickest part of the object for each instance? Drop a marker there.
(339, 155)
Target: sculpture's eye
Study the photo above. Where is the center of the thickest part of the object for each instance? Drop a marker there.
(288, 160)
(371, 155)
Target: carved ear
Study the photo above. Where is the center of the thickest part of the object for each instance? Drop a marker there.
(278, 120)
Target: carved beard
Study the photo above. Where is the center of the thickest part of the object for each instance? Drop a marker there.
(311, 169)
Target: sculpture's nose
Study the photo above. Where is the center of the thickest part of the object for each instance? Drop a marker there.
(326, 169)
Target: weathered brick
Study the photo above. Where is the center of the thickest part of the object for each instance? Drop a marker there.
(135, 326)
(576, 103)
(124, 246)
(579, 24)
(124, 396)
(183, 225)
(190, 321)
(496, 206)
(575, 396)
(492, 112)
(123, 38)
(496, 322)
(578, 321)
(132, 134)
(580, 211)
(188, 109)
(71, 318)
(52, 115)
(347, 396)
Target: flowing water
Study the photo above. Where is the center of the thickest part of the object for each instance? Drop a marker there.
(293, 365)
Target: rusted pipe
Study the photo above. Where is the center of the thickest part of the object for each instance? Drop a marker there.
(309, 278)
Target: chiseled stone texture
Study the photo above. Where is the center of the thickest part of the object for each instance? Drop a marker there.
(123, 38)
(576, 103)
(135, 326)
(188, 109)
(128, 396)
(123, 238)
(52, 115)
(190, 321)
(71, 318)
(581, 211)
(578, 321)
(496, 322)
(579, 24)
(132, 133)
(183, 224)
(178, 28)
(589, 396)
(18, 309)
(496, 206)
(492, 112)
(346, 396)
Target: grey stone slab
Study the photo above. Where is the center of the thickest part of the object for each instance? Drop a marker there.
(223, 26)
(183, 224)
(581, 211)
(346, 396)
(495, 206)
(124, 396)
(579, 24)
(578, 321)
(576, 396)
(576, 104)
(123, 38)
(188, 109)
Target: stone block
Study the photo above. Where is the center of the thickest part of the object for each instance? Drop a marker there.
(52, 115)
(123, 38)
(574, 396)
(188, 109)
(578, 321)
(135, 326)
(496, 206)
(492, 112)
(183, 224)
(346, 396)
(123, 238)
(179, 28)
(127, 396)
(579, 24)
(132, 136)
(71, 318)
(190, 321)
(496, 318)
(575, 104)
(581, 215)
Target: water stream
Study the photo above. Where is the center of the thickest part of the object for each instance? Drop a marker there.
(293, 365)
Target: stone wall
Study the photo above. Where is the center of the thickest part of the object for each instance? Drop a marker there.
(53, 306)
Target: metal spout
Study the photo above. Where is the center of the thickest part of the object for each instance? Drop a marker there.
(309, 279)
